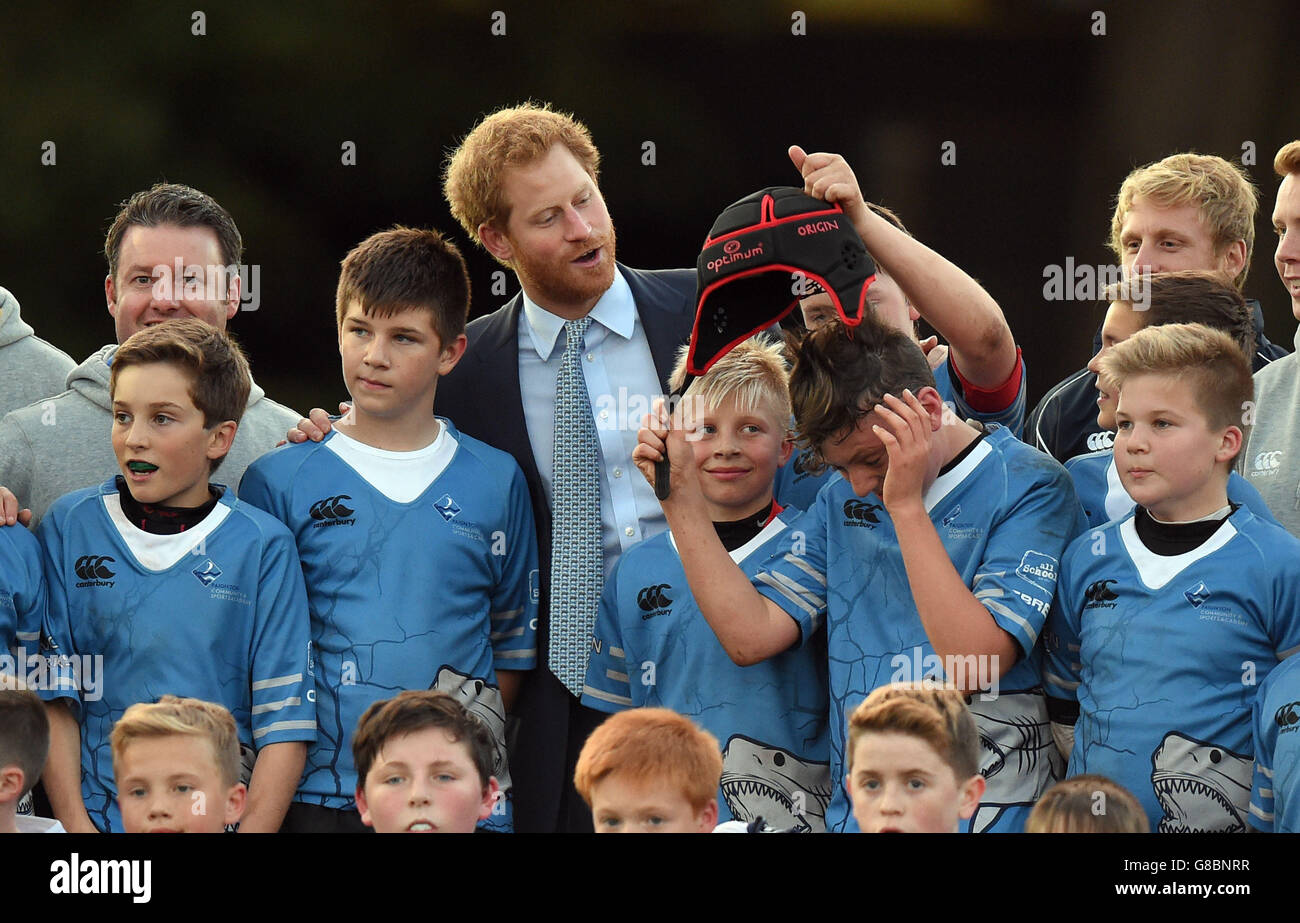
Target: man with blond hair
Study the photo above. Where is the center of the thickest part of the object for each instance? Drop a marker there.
(1185, 212)
(1269, 460)
(525, 185)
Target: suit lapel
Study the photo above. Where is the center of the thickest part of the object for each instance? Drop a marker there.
(662, 322)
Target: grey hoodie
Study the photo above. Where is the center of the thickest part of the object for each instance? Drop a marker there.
(64, 443)
(30, 368)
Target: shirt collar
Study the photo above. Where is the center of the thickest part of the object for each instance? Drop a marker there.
(615, 311)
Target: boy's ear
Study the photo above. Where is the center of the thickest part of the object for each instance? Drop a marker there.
(787, 449)
(709, 816)
(236, 798)
(933, 404)
(220, 438)
(1229, 445)
(489, 798)
(971, 793)
(452, 353)
(496, 242)
(362, 808)
(12, 782)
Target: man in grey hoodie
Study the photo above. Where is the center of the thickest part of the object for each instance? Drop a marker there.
(30, 368)
(172, 252)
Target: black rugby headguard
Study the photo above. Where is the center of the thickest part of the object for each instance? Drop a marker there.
(764, 253)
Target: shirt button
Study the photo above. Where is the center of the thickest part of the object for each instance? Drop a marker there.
(604, 414)
(629, 532)
(590, 357)
(618, 472)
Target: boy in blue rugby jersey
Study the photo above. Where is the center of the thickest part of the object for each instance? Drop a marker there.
(417, 541)
(651, 645)
(162, 583)
(1167, 619)
(1169, 298)
(950, 578)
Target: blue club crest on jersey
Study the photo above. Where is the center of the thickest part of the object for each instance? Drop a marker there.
(1197, 594)
(448, 507)
(207, 572)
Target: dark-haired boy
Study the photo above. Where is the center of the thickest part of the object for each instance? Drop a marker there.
(24, 743)
(952, 575)
(417, 540)
(161, 582)
(424, 765)
(1166, 621)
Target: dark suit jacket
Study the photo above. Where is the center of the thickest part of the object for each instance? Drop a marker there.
(481, 396)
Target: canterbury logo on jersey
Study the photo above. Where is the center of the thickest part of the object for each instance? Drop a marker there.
(1287, 717)
(332, 511)
(1098, 441)
(93, 570)
(653, 601)
(861, 513)
(1267, 462)
(1100, 595)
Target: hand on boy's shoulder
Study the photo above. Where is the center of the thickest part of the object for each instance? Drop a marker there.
(10, 512)
(315, 426)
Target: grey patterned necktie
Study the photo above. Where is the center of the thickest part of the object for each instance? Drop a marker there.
(577, 568)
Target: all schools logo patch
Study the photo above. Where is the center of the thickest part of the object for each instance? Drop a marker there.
(861, 513)
(93, 570)
(207, 572)
(653, 600)
(1040, 570)
(448, 507)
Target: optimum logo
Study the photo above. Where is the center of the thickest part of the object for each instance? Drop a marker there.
(448, 507)
(1288, 717)
(93, 570)
(731, 253)
(332, 511)
(861, 513)
(1100, 595)
(652, 600)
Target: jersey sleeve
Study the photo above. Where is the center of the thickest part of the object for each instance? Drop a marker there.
(254, 488)
(794, 577)
(1265, 737)
(1016, 580)
(515, 598)
(23, 596)
(1061, 663)
(608, 687)
(1004, 404)
(58, 643)
(281, 672)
